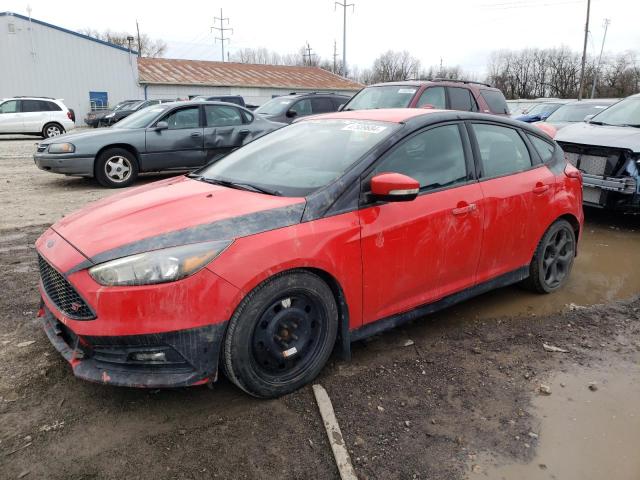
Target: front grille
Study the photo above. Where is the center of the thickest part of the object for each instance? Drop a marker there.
(591, 164)
(62, 294)
(592, 195)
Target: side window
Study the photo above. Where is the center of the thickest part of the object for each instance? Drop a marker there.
(435, 158)
(337, 101)
(33, 106)
(220, 116)
(183, 118)
(544, 148)
(501, 149)
(496, 101)
(247, 117)
(53, 107)
(321, 105)
(9, 107)
(302, 108)
(433, 96)
(461, 99)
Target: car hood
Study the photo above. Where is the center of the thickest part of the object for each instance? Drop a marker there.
(173, 212)
(601, 135)
(82, 135)
(556, 125)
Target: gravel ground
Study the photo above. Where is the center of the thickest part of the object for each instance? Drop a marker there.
(447, 397)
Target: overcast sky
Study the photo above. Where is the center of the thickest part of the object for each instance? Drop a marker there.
(461, 32)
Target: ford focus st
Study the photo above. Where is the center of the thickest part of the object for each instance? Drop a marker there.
(316, 235)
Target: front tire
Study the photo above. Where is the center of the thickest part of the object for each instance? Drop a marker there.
(281, 335)
(116, 168)
(553, 259)
(51, 130)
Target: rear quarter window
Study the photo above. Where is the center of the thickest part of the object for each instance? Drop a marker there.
(495, 100)
(545, 149)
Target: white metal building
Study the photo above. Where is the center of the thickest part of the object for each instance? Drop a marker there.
(39, 59)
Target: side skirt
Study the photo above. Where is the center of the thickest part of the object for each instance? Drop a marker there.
(398, 319)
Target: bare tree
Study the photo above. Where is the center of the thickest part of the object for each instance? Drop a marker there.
(392, 66)
(148, 46)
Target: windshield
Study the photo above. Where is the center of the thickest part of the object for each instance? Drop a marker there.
(140, 119)
(575, 112)
(543, 108)
(275, 106)
(121, 105)
(388, 96)
(625, 112)
(301, 158)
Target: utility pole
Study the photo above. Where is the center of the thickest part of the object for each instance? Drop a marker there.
(584, 51)
(597, 72)
(222, 29)
(306, 57)
(344, 6)
(139, 45)
(335, 56)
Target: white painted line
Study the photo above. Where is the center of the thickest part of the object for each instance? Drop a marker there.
(335, 435)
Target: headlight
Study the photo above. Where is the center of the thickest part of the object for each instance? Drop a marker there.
(158, 266)
(110, 115)
(62, 148)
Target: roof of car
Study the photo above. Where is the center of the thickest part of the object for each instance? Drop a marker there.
(394, 115)
(419, 83)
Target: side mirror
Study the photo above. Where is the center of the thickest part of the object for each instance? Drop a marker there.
(394, 187)
(291, 113)
(162, 126)
(588, 118)
(341, 107)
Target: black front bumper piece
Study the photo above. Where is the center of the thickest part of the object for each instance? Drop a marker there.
(190, 356)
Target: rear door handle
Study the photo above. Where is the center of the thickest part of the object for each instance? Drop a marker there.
(196, 134)
(244, 132)
(463, 210)
(540, 189)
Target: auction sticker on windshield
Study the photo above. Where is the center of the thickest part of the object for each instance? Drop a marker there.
(364, 127)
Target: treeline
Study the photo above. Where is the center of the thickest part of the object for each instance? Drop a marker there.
(555, 72)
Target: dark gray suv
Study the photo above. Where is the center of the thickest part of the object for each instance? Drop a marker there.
(287, 108)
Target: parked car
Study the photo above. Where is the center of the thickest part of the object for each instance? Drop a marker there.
(577, 111)
(287, 108)
(606, 148)
(236, 99)
(325, 231)
(43, 116)
(171, 136)
(94, 117)
(462, 95)
(541, 111)
(115, 116)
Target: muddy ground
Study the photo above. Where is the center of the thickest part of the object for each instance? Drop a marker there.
(461, 400)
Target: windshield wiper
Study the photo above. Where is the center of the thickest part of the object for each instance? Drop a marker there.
(634, 125)
(238, 185)
(599, 123)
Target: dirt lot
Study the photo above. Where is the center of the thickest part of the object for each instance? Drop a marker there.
(461, 400)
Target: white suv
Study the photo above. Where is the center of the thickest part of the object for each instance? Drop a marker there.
(42, 116)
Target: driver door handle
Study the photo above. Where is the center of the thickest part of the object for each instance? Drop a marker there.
(244, 132)
(196, 134)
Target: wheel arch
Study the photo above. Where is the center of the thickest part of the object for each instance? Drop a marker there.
(575, 224)
(126, 146)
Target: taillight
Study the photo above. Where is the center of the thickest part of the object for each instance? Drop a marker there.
(572, 172)
(69, 115)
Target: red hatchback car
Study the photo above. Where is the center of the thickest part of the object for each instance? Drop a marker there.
(320, 233)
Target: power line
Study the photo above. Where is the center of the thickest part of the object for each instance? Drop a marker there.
(344, 6)
(221, 29)
(597, 72)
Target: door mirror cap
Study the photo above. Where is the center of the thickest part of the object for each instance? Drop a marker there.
(291, 113)
(162, 126)
(588, 118)
(394, 187)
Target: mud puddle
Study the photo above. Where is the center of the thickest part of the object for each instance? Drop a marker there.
(582, 433)
(605, 270)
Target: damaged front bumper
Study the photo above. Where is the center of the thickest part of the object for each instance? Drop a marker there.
(158, 360)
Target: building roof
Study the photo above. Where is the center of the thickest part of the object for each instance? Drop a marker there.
(165, 71)
(70, 32)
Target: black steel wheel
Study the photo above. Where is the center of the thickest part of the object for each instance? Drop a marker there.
(553, 259)
(281, 335)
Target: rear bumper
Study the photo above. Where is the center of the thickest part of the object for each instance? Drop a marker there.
(65, 164)
(191, 355)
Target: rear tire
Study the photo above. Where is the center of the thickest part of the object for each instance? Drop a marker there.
(51, 130)
(116, 168)
(281, 335)
(553, 259)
